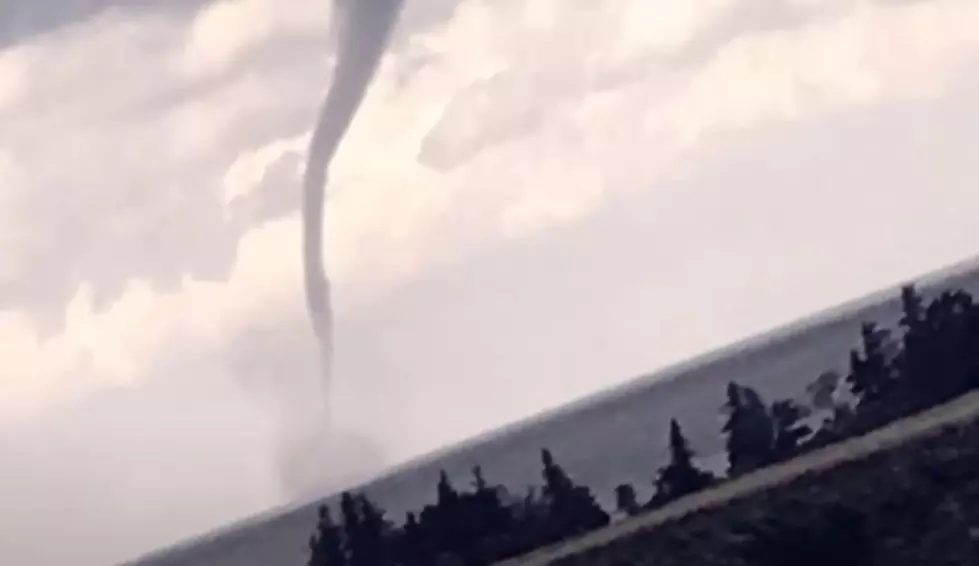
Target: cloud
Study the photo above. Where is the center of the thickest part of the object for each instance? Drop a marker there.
(12, 77)
(149, 179)
(223, 33)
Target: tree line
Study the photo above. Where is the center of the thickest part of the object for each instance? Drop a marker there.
(930, 358)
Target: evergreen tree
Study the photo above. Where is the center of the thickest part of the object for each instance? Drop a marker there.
(352, 536)
(790, 430)
(626, 501)
(734, 438)
(557, 483)
(871, 377)
(942, 350)
(912, 308)
(939, 354)
(749, 430)
(970, 334)
(445, 520)
(490, 521)
(825, 393)
(681, 476)
(413, 548)
(572, 509)
(365, 531)
(759, 419)
(486, 504)
(375, 530)
(530, 515)
(326, 545)
(917, 356)
(479, 482)
(447, 494)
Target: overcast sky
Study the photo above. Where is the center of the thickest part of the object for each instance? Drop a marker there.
(539, 199)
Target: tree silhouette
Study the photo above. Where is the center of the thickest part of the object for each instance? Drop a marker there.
(413, 547)
(446, 492)
(789, 429)
(837, 413)
(443, 520)
(490, 519)
(912, 308)
(940, 348)
(626, 502)
(749, 430)
(375, 530)
(918, 357)
(680, 476)
(872, 379)
(365, 531)
(572, 509)
(352, 532)
(326, 544)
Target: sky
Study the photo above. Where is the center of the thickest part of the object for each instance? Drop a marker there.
(539, 199)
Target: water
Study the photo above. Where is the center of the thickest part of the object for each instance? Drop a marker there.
(620, 437)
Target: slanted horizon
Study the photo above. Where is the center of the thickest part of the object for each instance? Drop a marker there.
(537, 200)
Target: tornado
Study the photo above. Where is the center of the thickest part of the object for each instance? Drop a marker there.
(363, 29)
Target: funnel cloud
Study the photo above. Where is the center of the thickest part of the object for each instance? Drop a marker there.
(363, 28)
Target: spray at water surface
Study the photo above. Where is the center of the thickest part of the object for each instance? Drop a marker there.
(363, 28)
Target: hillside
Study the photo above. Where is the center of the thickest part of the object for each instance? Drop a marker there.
(946, 437)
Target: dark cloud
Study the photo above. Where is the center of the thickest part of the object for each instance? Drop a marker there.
(21, 19)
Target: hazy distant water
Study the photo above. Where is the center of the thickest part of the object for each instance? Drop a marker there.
(619, 438)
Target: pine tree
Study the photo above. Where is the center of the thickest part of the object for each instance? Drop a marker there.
(365, 531)
(413, 549)
(374, 532)
(680, 476)
(734, 439)
(487, 504)
(912, 308)
(352, 531)
(486, 521)
(832, 396)
(326, 545)
(626, 501)
(917, 364)
(446, 520)
(790, 431)
(749, 430)
(760, 421)
(479, 482)
(556, 480)
(871, 376)
(947, 350)
(447, 494)
(572, 509)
